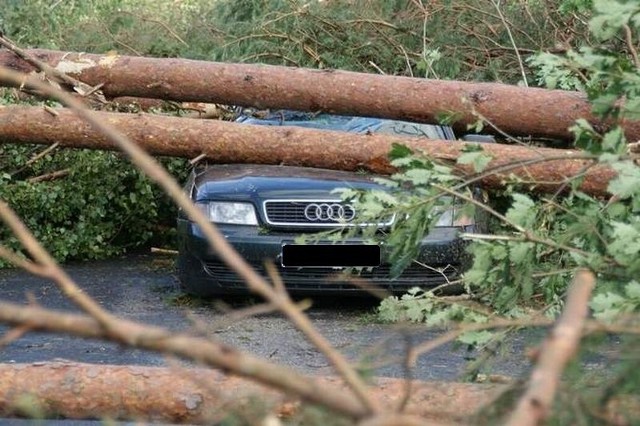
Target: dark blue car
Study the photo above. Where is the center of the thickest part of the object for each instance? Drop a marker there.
(263, 209)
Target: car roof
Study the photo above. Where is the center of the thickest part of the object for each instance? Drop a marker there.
(361, 125)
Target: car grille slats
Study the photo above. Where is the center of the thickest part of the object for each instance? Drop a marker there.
(313, 213)
(286, 213)
(327, 278)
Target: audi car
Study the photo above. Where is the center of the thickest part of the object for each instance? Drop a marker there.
(270, 213)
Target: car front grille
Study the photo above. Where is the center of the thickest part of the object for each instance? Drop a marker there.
(330, 279)
(313, 213)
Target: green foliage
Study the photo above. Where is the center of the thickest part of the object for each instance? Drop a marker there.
(577, 229)
(609, 305)
(610, 16)
(413, 201)
(395, 37)
(101, 208)
(627, 184)
(538, 241)
(551, 71)
(475, 155)
(424, 307)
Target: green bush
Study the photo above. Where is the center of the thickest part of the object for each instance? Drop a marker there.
(103, 207)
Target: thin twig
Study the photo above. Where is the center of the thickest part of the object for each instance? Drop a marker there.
(373, 64)
(161, 23)
(452, 335)
(406, 59)
(50, 176)
(557, 350)
(363, 284)
(14, 334)
(496, 4)
(373, 22)
(21, 262)
(233, 316)
(275, 277)
(407, 366)
(50, 110)
(38, 156)
(158, 250)
(197, 159)
(632, 49)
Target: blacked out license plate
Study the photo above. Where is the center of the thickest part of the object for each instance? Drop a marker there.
(330, 255)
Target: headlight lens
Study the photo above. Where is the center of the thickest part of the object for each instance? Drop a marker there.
(230, 212)
(446, 218)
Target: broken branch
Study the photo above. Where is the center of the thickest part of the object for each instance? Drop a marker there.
(556, 351)
(83, 89)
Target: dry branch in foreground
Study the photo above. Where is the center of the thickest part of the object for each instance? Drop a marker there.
(205, 351)
(45, 266)
(557, 350)
(515, 110)
(222, 142)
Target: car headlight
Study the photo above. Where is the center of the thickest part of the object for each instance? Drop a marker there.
(229, 212)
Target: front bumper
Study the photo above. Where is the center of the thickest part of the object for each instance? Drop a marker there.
(200, 271)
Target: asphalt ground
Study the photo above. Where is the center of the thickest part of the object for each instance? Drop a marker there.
(143, 288)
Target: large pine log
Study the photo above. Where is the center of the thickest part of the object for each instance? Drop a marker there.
(187, 395)
(514, 110)
(223, 142)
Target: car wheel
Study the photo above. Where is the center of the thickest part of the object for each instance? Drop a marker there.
(184, 264)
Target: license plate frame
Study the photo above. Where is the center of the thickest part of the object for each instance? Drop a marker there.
(330, 255)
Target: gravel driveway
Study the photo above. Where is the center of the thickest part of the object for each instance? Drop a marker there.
(143, 288)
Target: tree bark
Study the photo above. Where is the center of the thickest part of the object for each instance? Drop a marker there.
(515, 110)
(187, 395)
(542, 169)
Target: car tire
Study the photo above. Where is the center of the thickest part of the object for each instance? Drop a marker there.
(184, 264)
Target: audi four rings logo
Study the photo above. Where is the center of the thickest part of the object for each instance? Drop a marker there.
(325, 212)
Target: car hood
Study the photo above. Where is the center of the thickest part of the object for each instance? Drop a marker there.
(261, 182)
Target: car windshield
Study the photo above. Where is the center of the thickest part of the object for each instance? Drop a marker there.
(361, 125)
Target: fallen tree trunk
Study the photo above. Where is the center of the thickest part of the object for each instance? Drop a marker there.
(515, 110)
(187, 395)
(544, 169)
